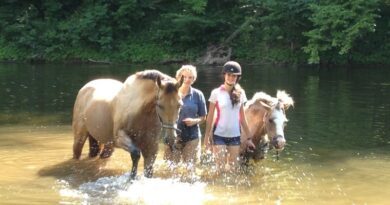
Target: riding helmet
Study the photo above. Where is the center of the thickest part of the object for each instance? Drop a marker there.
(232, 67)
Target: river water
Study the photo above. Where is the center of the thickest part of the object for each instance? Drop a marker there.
(338, 137)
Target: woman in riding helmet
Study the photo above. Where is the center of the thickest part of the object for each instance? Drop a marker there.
(225, 119)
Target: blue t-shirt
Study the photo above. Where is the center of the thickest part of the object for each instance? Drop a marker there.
(194, 106)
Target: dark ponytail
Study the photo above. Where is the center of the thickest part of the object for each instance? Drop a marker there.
(235, 94)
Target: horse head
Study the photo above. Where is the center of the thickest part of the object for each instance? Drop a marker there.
(267, 119)
(168, 104)
(276, 120)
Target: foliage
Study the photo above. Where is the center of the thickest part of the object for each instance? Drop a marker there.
(338, 26)
(276, 31)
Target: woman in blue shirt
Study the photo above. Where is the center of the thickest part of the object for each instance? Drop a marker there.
(192, 113)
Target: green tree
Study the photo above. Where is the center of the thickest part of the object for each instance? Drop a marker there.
(338, 26)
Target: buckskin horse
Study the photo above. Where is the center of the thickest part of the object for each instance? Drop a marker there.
(92, 117)
(132, 117)
(266, 118)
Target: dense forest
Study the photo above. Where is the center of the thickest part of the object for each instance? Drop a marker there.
(256, 31)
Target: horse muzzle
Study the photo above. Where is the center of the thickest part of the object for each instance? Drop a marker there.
(169, 136)
(278, 142)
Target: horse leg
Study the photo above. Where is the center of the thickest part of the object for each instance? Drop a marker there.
(135, 154)
(124, 141)
(149, 158)
(148, 166)
(78, 144)
(107, 150)
(264, 147)
(94, 148)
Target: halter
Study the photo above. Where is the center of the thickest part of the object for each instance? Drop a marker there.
(165, 125)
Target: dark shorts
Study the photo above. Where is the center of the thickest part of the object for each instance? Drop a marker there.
(228, 141)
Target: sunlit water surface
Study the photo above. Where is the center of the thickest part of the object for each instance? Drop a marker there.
(337, 153)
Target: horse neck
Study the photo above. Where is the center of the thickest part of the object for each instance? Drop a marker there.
(144, 92)
(256, 122)
(149, 104)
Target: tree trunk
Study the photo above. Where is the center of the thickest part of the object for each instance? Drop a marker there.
(220, 54)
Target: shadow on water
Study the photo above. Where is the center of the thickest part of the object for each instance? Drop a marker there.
(77, 172)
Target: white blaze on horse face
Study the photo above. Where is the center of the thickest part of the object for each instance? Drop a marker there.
(279, 119)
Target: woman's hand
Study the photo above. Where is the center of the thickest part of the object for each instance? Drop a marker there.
(191, 121)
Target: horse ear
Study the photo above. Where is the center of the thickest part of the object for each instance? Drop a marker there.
(178, 84)
(265, 105)
(159, 81)
(287, 105)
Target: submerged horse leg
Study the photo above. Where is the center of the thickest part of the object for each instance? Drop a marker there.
(127, 144)
(149, 155)
(78, 144)
(135, 154)
(107, 150)
(148, 165)
(94, 148)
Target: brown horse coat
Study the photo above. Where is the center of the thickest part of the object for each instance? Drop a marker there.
(129, 115)
(148, 103)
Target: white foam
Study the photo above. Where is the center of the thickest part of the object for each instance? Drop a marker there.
(118, 190)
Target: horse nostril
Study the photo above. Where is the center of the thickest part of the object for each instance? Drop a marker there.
(278, 142)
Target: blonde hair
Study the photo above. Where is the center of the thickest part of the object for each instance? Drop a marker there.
(190, 68)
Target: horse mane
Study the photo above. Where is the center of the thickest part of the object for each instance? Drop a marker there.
(285, 98)
(170, 83)
(263, 97)
(153, 75)
(281, 96)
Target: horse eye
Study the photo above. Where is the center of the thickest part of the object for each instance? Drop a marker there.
(270, 121)
(160, 106)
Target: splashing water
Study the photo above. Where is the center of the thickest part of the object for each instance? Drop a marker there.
(118, 190)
